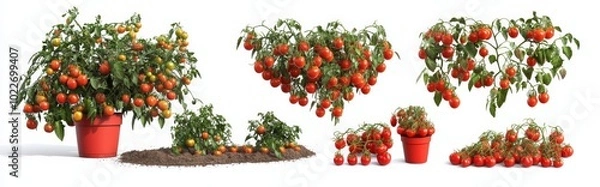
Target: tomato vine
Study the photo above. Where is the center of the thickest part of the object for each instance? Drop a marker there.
(89, 70)
(329, 62)
(504, 56)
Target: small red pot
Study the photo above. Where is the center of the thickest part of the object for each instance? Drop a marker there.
(100, 139)
(416, 150)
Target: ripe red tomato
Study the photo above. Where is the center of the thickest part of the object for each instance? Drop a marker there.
(454, 102)
(303, 101)
(338, 43)
(509, 161)
(431, 87)
(310, 87)
(483, 51)
(532, 101)
(473, 37)
(352, 159)
(465, 161)
(71, 84)
(384, 158)
(365, 89)
(511, 71)
(422, 54)
(511, 136)
(258, 67)
(526, 161)
(545, 162)
(303, 46)
(490, 161)
(400, 130)
(544, 97)
(557, 163)
(422, 132)
(299, 61)
(338, 159)
(484, 33)
(61, 98)
(447, 39)
(381, 67)
(448, 52)
(549, 32)
(393, 121)
(498, 155)
(269, 61)
(455, 158)
(313, 72)
(388, 54)
(478, 160)
(340, 144)
(320, 112)
(350, 138)
(539, 35)
(566, 151)
(410, 133)
(430, 131)
(447, 94)
(531, 61)
(488, 81)
(337, 111)
(386, 134)
(513, 32)
(32, 124)
(365, 159)
(504, 84)
(557, 137)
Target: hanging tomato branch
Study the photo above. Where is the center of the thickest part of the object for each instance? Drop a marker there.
(504, 56)
(328, 62)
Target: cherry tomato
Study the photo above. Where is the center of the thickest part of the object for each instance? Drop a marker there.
(465, 162)
(340, 144)
(532, 101)
(365, 159)
(490, 161)
(545, 162)
(478, 160)
(455, 158)
(384, 158)
(422, 132)
(509, 162)
(526, 161)
(566, 151)
(393, 121)
(352, 159)
(410, 133)
(511, 136)
(557, 163)
(513, 32)
(557, 137)
(338, 159)
(544, 97)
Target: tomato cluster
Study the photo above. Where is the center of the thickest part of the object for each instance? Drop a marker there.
(412, 122)
(330, 63)
(363, 143)
(99, 69)
(526, 144)
(504, 56)
(204, 133)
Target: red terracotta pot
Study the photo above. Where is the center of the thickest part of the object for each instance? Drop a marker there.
(100, 139)
(416, 150)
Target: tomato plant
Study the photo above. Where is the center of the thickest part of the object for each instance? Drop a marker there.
(273, 135)
(85, 70)
(200, 132)
(504, 56)
(528, 144)
(328, 63)
(368, 139)
(412, 122)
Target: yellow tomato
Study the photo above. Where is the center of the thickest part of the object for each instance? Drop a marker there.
(56, 42)
(166, 113)
(77, 116)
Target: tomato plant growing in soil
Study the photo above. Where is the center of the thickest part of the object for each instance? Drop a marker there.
(97, 69)
(527, 144)
(412, 122)
(271, 135)
(328, 63)
(368, 140)
(204, 138)
(201, 132)
(503, 57)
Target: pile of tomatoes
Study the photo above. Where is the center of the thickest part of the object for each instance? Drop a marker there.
(329, 63)
(363, 143)
(527, 144)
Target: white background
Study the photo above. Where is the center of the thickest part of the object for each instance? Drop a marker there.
(239, 94)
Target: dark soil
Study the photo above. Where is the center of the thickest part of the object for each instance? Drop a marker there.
(165, 157)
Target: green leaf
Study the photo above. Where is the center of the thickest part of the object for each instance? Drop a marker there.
(492, 109)
(437, 98)
(430, 63)
(471, 49)
(547, 78)
(161, 122)
(528, 72)
(567, 51)
(492, 58)
(59, 130)
(239, 41)
(576, 42)
(501, 97)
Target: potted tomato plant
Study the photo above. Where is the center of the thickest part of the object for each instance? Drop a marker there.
(504, 56)
(415, 131)
(328, 63)
(89, 75)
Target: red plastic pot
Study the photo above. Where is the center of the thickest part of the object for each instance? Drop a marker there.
(100, 139)
(416, 150)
